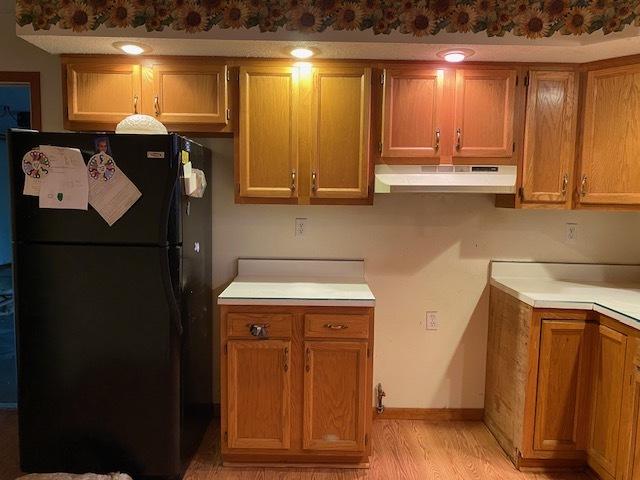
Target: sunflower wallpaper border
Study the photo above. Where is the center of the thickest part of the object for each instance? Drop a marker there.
(529, 18)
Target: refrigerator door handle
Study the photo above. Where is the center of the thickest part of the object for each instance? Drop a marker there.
(174, 310)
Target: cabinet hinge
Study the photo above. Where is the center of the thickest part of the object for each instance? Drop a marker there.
(366, 439)
(225, 349)
(517, 79)
(521, 193)
(382, 79)
(513, 148)
(226, 437)
(228, 114)
(228, 75)
(238, 188)
(526, 81)
(380, 146)
(368, 352)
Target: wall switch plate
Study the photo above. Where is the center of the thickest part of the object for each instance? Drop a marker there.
(301, 227)
(571, 235)
(433, 323)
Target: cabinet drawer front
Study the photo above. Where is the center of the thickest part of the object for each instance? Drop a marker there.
(276, 324)
(320, 325)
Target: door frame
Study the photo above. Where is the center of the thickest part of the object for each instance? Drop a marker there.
(33, 80)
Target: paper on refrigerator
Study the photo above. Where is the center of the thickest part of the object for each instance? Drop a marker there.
(66, 186)
(112, 198)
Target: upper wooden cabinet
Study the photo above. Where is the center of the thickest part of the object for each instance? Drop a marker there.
(550, 137)
(484, 113)
(186, 93)
(187, 96)
(413, 113)
(102, 92)
(609, 167)
(268, 138)
(340, 132)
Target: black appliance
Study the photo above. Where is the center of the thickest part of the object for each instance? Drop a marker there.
(114, 323)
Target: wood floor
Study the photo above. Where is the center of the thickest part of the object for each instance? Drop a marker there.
(402, 450)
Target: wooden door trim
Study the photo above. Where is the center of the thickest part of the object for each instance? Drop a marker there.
(33, 80)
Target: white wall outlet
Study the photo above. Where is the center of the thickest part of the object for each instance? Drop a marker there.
(433, 323)
(571, 235)
(301, 227)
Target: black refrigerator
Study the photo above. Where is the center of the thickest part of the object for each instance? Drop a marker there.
(113, 324)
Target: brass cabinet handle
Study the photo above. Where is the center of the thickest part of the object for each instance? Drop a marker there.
(135, 104)
(156, 105)
(437, 145)
(565, 183)
(307, 363)
(293, 180)
(458, 138)
(583, 186)
(259, 330)
(334, 326)
(314, 181)
(286, 359)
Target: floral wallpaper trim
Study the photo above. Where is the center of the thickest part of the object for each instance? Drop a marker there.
(529, 18)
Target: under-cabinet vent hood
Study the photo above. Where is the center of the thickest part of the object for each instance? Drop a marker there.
(446, 178)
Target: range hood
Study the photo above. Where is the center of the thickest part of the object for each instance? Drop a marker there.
(446, 178)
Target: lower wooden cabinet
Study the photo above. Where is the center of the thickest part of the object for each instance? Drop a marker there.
(563, 388)
(296, 384)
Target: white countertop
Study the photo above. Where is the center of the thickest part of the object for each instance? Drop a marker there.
(283, 282)
(613, 290)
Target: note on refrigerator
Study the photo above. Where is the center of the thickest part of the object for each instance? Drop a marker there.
(113, 197)
(66, 185)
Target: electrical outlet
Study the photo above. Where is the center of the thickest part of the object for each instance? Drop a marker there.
(571, 235)
(301, 227)
(433, 323)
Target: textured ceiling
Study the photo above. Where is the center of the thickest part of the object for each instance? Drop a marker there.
(559, 48)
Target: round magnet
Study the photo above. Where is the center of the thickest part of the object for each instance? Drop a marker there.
(101, 167)
(35, 164)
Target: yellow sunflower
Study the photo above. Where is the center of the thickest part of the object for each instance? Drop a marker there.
(381, 26)
(485, 6)
(121, 14)
(533, 24)
(305, 19)
(191, 18)
(441, 8)
(556, 8)
(348, 17)
(41, 22)
(495, 29)
(328, 7)
(577, 21)
(370, 5)
(234, 15)
(419, 22)
(612, 24)
(462, 19)
(79, 17)
(213, 7)
(153, 23)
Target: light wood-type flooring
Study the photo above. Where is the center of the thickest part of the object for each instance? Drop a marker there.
(402, 449)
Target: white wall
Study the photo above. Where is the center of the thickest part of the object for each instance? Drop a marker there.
(422, 252)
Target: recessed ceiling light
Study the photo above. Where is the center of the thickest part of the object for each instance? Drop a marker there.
(302, 53)
(457, 55)
(132, 48)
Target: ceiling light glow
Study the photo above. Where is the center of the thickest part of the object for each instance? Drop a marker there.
(302, 53)
(455, 56)
(131, 48)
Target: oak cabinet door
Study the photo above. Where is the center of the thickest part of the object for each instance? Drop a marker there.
(563, 382)
(550, 136)
(484, 113)
(629, 444)
(610, 170)
(258, 394)
(341, 107)
(102, 92)
(412, 113)
(268, 141)
(335, 384)
(187, 93)
(607, 399)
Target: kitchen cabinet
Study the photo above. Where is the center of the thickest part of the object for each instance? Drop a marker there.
(629, 444)
(413, 114)
(484, 112)
(549, 138)
(340, 132)
(101, 92)
(268, 139)
(296, 384)
(186, 93)
(562, 387)
(609, 172)
(259, 392)
(187, 96)
(610, 354)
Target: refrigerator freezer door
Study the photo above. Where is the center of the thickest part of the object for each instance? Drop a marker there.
(150, 161)
(98, 359)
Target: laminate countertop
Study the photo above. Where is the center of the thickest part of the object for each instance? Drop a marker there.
(299, 282)
(613, 290)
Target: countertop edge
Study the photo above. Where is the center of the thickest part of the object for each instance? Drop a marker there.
(310, 302)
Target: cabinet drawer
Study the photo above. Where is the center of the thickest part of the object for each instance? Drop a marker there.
(319, 325)
(276, 324)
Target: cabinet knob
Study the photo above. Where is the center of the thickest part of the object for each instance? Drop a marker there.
(307, 363)
(583, 186)
(334, 326)
(314, 181)
(565, 183)
(135, 104)
(156, 105)
(259, 330)
(458, 138)
(437, 145)
(286, 359)
(293, 180)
